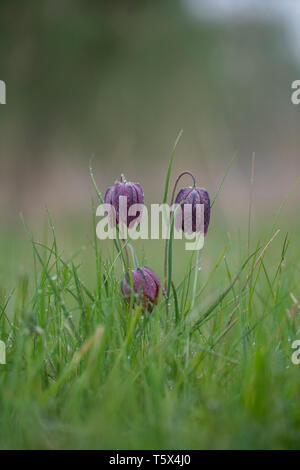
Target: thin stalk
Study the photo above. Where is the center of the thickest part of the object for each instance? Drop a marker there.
(167, 240)
(195, 278)
(251, 200)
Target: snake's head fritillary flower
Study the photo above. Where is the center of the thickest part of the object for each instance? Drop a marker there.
(146, 286)
(189, 215)
(116, 194)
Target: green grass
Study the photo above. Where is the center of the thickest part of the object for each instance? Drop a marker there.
(84, 371)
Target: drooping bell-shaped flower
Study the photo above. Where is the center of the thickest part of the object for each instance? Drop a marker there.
(189, 217)
(146, 286)
(122, 196)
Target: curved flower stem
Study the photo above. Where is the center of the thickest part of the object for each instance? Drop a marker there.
(166, 280)
(134, 257)
(177, 181)
(126, 254)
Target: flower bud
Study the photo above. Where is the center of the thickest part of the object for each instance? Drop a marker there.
(146, 285)
(192, 217)
(134, 195)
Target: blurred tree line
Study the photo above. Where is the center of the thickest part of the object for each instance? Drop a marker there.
(119, 78)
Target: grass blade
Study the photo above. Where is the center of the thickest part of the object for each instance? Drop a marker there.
(170, 168)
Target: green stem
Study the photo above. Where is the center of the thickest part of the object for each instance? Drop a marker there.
(195, 279)
(166, 277)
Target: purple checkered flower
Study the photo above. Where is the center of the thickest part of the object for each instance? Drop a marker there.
(188, 218)
(115, 196)
(146, 286)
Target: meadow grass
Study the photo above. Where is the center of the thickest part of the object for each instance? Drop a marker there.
(86, 371)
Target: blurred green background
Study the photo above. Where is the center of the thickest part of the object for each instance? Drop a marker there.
(117, 80)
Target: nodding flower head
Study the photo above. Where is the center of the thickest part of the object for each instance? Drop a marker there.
(115, 196)
(188, 218)
(146, 286)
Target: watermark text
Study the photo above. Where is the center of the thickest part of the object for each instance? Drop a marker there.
(2, 92)
(176, 221)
